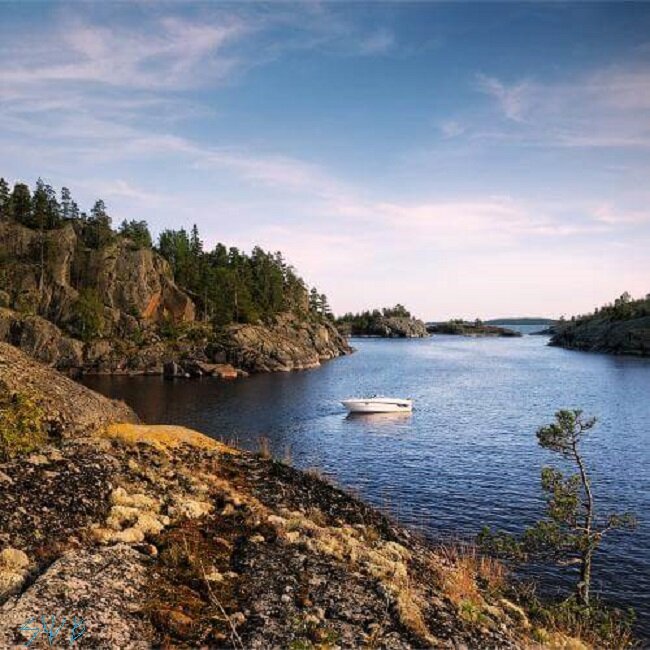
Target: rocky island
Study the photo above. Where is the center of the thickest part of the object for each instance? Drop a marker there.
(82, 297)
(151, 536)
(390, 322)
(461, 327)
(622, 327)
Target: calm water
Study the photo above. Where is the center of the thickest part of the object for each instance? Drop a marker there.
(466, 456)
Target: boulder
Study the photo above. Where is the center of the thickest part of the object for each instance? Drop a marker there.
(41, 339)
(195, 368)
(173, 369)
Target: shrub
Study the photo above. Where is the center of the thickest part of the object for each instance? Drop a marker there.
(22, 427)
(88, 319)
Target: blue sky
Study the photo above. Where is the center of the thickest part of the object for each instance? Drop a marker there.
(464, 159)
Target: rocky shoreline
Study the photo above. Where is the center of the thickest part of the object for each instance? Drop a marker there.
(387, 327)
(628, 337)
(289, 343)
(467, 328)
(160, 536)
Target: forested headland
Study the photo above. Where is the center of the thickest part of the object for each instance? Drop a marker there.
(619, 327)
(389, 322)
(95, 280)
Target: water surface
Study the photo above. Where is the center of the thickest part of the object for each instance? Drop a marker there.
(467, 456)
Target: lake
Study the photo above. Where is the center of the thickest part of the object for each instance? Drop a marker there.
(466, 456)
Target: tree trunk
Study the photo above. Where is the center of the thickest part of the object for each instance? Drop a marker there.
(585, 565)
(585, 578)
(41, 281)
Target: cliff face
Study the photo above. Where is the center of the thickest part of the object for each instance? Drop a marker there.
(39, 305)
(177, 540)
(133, 284)
(605, 335)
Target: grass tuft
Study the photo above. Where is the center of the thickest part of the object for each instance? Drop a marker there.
(22, 424)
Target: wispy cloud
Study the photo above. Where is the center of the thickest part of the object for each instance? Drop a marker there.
(378, 42)
(605, 108)
(171, 53)
(514, 99)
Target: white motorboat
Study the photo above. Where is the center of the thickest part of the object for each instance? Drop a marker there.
(378, 405)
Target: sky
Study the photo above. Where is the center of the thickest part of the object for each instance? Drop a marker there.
(466, 160)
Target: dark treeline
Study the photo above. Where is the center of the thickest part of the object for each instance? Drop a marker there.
(623, 308)
(227, 284)
(369, 322)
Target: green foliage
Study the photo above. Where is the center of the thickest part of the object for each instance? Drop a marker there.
(229, 285)
(88, 320)
(570, 532)
(398, 311)
(596, 624)
(5, 200)
(21, 204)
(21, 424)
(169, 329)
(369, 323)
(500, 544)
(45, 213)
(137, 232)
(96, 231)
(623, 308)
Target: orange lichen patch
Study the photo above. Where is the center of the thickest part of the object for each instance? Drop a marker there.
(164, 437)
(152, 307)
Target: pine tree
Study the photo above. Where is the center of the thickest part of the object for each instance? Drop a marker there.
(325, 310)
(5, 200)
(314, 301)
(39, 217)
(196, 245)
(66, 203)
(137, 232)
(21, 204)
(571, 531)
(97, 230)
(98, 211)
(74, 211)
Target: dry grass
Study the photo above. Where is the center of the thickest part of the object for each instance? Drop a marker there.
(22, 424)
(465, 573)
(264, 447)
(163, 437)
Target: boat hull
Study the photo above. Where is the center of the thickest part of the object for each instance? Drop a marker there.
(378, 406)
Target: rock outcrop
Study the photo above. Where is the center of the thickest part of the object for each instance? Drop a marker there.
(72, 409)
(390, 327)
(401, 327)
(137, 301)
(605, 335)
(135, 284)
(466, 328)
(289, 343)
